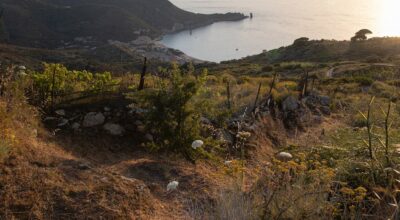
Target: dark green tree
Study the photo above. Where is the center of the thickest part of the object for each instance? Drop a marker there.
(301, 41)
(361, 35)
(174, 114)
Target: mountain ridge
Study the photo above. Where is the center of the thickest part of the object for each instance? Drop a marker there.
(55, 23)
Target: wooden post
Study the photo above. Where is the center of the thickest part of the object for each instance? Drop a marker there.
(255, 101)
(272, 85)
(141, 84)
(304, 85)
(53, 84)
(228, 91)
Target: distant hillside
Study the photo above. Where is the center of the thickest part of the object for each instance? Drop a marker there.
(329, 50)
(54, 23)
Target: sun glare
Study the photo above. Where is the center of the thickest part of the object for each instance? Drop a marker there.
(389, 22)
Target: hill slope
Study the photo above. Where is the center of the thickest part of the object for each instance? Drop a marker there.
(51, 23)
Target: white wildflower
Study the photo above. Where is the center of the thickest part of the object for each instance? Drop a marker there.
(243, 135)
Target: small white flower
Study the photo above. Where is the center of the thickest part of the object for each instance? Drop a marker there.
(196, 144)
(243, 135)
(172, 186)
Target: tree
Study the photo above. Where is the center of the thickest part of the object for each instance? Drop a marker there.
(361, 35)
(173, 113)
(301, 41)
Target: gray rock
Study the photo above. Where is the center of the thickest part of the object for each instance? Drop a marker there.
(204, 120)
(284, 156)
(93, 119)
(62, 122)
(149, 137)
(141, 128)
(50, 119)
(84, 166)
(114, 129)
(290, 104)
(75, 126)
(325, 110)
(107, 109)
(60, 112)
(138, 123)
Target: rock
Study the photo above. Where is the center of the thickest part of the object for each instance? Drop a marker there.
(93, 119)
(197, 144)
(75, 126)
(204, 120)
(60, 112)
(141, 128)
(324, 100)
(107, 109)
(63, 122)
(84, 166)
(228, 163)
(149, 137)
(290, 104)
(138, 123)
(325, 110)
(114, 129)
(172, 186)
(284, 156)
(50, 119)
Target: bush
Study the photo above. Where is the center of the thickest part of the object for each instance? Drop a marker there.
(268, 68)
(57, 79)
(363, 81)
(174, 116)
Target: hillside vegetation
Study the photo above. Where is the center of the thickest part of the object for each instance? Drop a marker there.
(373, 49)
(55, 23)
(292, 140)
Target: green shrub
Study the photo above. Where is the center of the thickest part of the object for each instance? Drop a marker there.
(57, 79)
(173, 115)
(363, 81)
(383, 90)
(267, 68)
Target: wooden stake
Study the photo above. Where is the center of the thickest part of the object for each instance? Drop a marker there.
(141, 84)
(228, 91)
(255, 101)
(53, 84)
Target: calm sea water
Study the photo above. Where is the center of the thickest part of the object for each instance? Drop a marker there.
(278, 23)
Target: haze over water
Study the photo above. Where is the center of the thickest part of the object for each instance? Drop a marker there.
(278, 23)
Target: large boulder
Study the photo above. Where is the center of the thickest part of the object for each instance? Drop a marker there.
(114, 129)
(93, 119)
